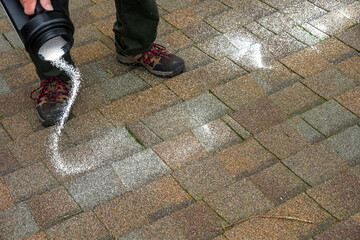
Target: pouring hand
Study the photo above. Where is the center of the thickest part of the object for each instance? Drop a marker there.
(29, 5)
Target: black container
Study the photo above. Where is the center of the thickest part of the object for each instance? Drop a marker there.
(39, 28)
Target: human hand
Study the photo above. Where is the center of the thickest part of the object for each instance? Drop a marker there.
(29, 5)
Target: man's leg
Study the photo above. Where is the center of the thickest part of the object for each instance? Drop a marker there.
(44, 69)
(136, 25)
(135, 32)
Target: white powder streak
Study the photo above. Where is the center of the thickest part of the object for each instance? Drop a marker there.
(53, 51)
(258, 56)
(56, 158)
(101, 150)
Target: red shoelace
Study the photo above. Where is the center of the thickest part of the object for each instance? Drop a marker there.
(53, 95)
(156, 51)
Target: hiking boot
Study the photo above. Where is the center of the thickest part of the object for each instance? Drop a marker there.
(157, 60)
(51, 100)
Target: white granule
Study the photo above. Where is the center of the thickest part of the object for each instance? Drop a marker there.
(52, 49)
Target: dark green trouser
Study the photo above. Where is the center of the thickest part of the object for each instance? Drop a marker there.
(135, 31)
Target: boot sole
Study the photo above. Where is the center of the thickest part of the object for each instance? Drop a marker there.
(51, 122)
(170, 74)
(48, 122)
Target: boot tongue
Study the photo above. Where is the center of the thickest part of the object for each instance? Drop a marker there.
(52, 86)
